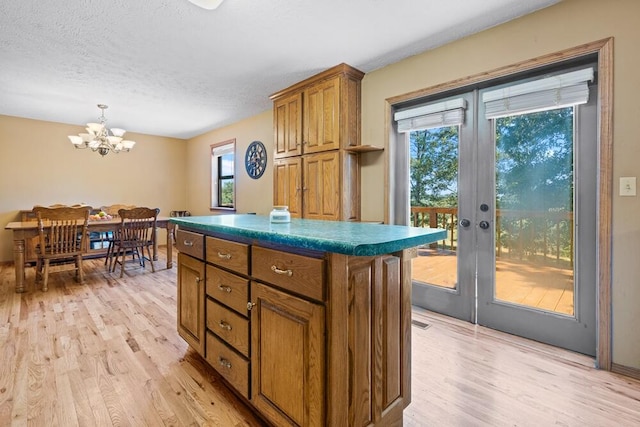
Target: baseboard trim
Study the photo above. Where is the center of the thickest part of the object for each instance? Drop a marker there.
(625, 370)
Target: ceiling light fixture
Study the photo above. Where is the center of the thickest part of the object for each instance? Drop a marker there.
(207, 4)
(101, 139)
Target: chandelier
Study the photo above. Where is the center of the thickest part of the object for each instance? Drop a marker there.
(101, 139)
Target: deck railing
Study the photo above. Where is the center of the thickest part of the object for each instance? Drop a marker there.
(519, 234)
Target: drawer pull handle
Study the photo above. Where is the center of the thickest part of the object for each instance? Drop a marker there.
(250, 305)
(283, 272)
(188, 243)
(224, 362)
(198, 280)
(224, 256)
(224, 325)
(224, 288)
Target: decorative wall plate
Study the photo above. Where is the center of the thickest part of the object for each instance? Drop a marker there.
(255, 160)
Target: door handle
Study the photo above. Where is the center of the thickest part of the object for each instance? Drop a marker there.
(484, 225)
(465, 222)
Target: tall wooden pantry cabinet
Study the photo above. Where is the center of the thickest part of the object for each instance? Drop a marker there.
(316, 123)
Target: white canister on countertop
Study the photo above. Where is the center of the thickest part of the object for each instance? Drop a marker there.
(280, 214)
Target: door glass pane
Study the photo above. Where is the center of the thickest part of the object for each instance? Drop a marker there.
(534, 231)
(434, 202)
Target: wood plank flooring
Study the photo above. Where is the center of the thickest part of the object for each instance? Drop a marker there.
(107, 353)
(469, 375)
(104, 353)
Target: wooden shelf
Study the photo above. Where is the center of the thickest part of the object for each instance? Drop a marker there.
(364, 148)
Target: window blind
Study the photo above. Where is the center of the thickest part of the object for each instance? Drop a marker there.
(563, 90)
(429, 116)
(221, 150)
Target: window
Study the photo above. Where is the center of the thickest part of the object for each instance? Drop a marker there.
(223, 175)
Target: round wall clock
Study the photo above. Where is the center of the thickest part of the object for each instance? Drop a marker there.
(256, 159)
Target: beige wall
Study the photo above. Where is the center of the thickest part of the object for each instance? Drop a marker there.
(567, 24)
(38, 165)
(252, 195)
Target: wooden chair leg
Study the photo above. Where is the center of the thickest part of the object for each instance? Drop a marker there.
(109, 254)
(79, 270)
(38, 270)
(112, 263)
(153, 269)
(114, 260)
(45, 280)
(122, 262)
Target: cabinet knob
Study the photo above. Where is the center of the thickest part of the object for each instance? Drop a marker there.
(198, 280)
(224, 288)
(276, 270)
(224, 362)
(250, 305)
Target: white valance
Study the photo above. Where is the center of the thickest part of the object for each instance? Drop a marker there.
(429, 116)
(563, 90)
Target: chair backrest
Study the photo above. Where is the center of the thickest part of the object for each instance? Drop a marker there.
(62, 230)
(113, 209)
(137, 224)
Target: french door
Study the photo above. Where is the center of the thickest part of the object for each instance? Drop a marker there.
(517, 194)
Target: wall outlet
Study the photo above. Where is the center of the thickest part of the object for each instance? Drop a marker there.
(628, 186)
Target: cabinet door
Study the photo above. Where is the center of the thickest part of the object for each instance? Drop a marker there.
(321, 186)
(287, 357)
(287, 125)
(287, 181)
(191, 296)
(321, 125)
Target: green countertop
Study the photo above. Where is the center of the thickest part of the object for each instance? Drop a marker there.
(348, 238)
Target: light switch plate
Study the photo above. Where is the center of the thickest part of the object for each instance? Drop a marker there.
(628, 186)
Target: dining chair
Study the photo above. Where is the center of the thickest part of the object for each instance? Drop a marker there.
(62, 234)
(137, 231)
(112, 210)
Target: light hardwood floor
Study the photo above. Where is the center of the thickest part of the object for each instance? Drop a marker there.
(107, 353)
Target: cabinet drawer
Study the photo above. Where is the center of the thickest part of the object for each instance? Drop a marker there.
(229, 326)
(296, 273)
(231, 255)
(190, 243)
(233, 367)
(228, 289)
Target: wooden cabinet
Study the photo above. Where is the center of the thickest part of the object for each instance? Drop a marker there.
(287, 125)
(287, 182)
(191, 301)
(233, 367)
(331, 186)
(321, 122)
(308, 338)
(317, 177)
(287, 361)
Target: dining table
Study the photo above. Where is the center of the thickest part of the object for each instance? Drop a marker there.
(26, 230)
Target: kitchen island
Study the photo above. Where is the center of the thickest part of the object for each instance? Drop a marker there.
(308, 321)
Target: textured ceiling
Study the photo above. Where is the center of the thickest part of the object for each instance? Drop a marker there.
(167, 67)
